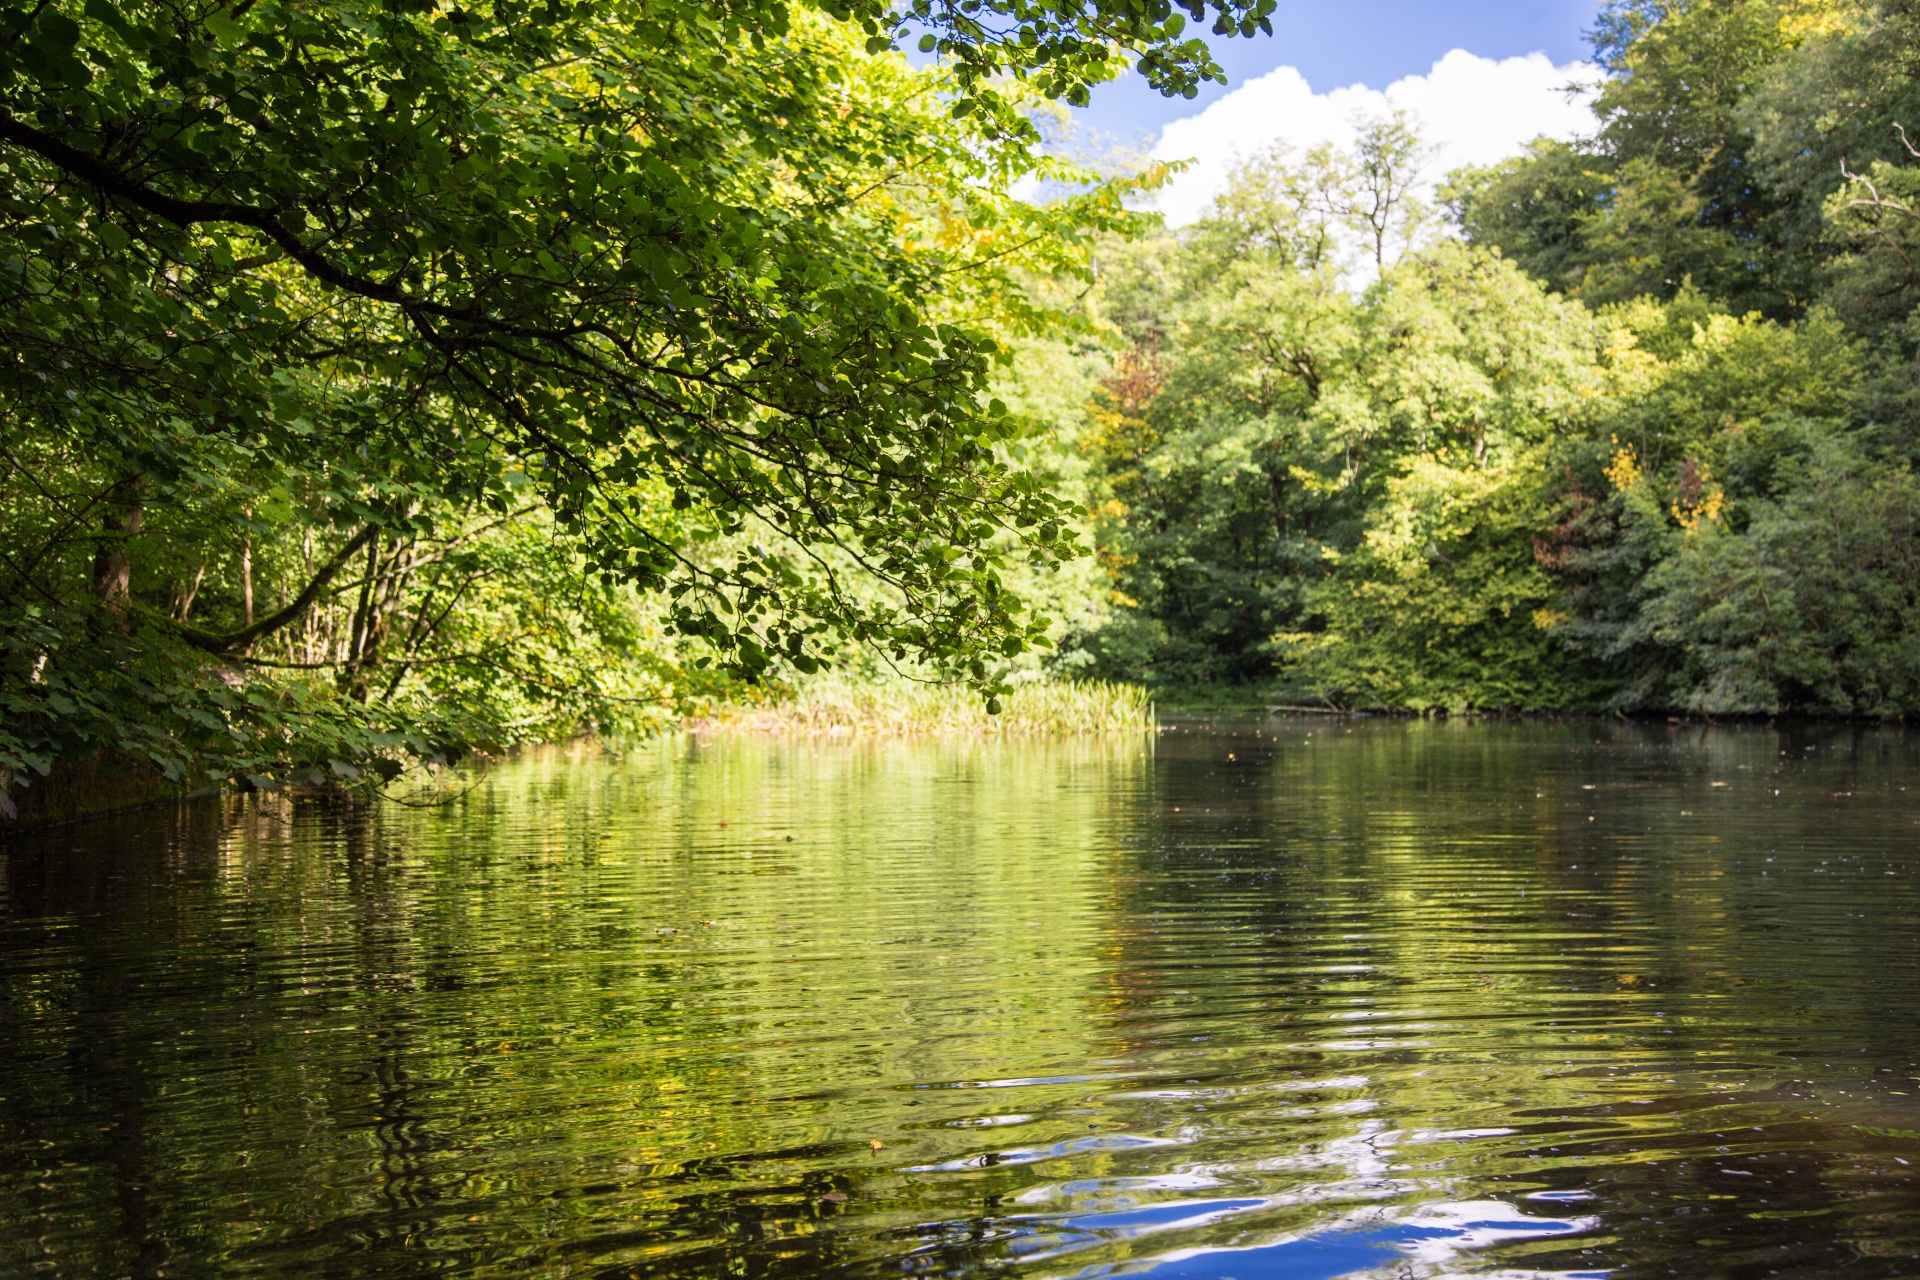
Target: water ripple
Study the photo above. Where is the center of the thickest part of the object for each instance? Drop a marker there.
(1408, 999)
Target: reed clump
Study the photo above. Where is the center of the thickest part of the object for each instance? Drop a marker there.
(1088, 706)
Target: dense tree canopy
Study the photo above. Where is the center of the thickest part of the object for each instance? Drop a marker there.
(1638, 431)
(308, 296)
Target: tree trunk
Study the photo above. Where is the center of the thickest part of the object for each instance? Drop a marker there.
(113, 562)
(1278, 490)
(360, 634)
(310, 624)
(183, 602)
(246, 565)
(380, 607)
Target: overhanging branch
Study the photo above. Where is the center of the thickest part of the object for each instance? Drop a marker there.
(274, 621)
(187, 213)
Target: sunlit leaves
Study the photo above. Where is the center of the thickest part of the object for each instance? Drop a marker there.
(720, 290)
(636, 263)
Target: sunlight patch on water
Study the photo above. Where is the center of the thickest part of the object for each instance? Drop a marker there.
(1270, 1086)
(989, 1122)
(1025, 1082)
(1079, 1188)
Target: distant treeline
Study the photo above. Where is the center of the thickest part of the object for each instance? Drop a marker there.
(1626, 423)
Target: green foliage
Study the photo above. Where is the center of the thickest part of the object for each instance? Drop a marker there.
(1876, 214)
(1682, 480)
(622, 289)
(1536, 208)
(1812, 606)
(1671, 190)
(1293, 480)
(468, 335)
(1712, 398)
(72, 688)
(1709, 510)
(384, 382)
(1470, 371)
(1444, 603)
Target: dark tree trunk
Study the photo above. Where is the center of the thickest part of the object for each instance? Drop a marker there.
(113, 562)
(1279, 492)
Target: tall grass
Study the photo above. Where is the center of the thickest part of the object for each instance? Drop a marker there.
(839, 706)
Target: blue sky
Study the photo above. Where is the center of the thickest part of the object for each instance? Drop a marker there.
(1374, 42)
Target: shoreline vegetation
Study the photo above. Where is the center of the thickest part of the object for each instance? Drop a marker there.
(101, 785)
(850, 707)
(98, 788)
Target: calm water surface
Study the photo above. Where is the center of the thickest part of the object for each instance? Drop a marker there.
(1276, 998)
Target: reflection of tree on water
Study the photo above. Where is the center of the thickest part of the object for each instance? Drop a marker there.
(1746, 1182)
(110, 1068)
(387, 1093)
(1115, 1009)
(80, 1131)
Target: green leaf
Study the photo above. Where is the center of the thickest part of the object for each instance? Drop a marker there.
(56, 32)
(225, 30)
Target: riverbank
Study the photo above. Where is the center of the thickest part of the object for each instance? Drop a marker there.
(91, 786)
(1093, 706)
(103, 784)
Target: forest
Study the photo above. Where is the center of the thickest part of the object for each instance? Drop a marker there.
(1627, 424)
(387, 382)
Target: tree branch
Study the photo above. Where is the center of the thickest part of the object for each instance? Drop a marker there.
(187, 213)
(274, 621)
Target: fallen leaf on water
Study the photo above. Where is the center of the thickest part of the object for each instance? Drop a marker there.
(876, 1144)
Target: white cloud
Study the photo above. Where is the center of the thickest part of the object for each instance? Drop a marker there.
(1474, 110)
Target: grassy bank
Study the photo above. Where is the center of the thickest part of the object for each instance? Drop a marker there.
(849, 707)
(102, 783)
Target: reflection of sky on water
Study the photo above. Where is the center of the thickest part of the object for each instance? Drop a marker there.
(1420, 1241)
(1242, 1238)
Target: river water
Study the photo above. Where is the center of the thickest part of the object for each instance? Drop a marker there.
(1268, 998)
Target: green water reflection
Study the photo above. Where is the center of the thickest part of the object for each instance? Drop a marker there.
(1291, 998)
